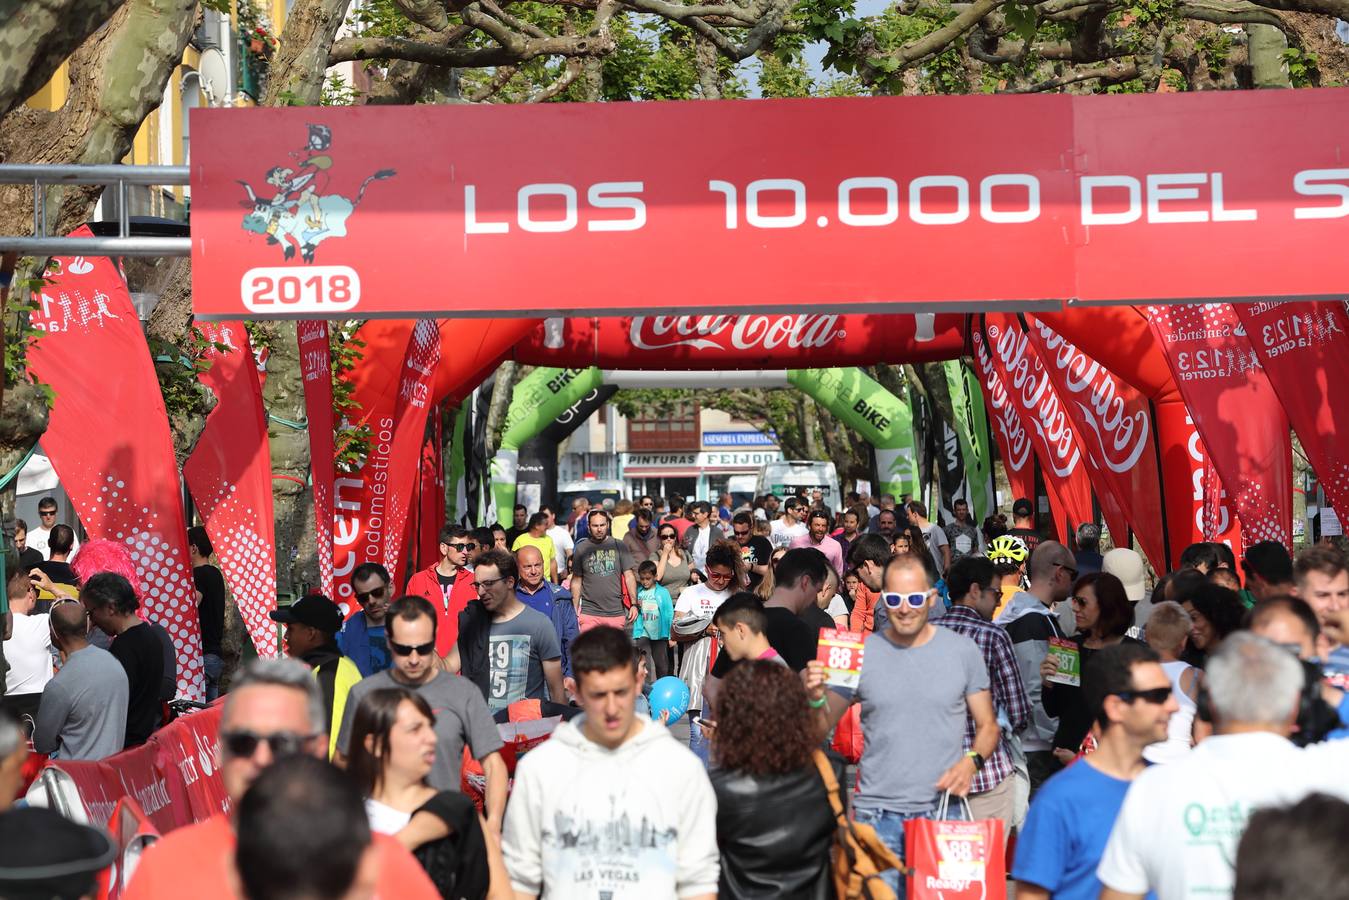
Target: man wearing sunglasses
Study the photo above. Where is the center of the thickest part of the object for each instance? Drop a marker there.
(462, 716)
(1178, 829)
(38, 538)
(448, 585)
(1066, 829)
(273, 711)
(918, 683)
(363, 639)
(1030, 620)
(312, 623)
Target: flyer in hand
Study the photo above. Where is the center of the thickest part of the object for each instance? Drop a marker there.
(1069, 661)
(841, 653)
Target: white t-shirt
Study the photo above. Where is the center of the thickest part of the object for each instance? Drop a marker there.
(385, 819)
(837, 607)
(38, 539)
(700, 600)
(564, 544)
(936, 539)
(783, 534)
(29, 654)
(1177, 832)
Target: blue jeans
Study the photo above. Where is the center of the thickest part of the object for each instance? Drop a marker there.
(889, 827)
(214, 666)
(699, 743)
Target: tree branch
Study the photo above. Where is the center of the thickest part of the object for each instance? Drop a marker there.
(1111, 73)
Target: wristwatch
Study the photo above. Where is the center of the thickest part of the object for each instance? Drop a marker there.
(978, 760)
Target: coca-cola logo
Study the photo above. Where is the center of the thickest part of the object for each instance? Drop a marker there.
(1121, 435)
(1008, 422)
(810, 332)
(1030, 383)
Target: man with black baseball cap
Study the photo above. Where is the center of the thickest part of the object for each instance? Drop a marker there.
(312, 623)
(45, 856)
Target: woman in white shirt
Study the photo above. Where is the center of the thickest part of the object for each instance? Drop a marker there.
(393, 747)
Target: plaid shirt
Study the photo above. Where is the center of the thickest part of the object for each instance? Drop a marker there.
(1009, 694)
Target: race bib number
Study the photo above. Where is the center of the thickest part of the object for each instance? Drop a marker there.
(960, 855)
(1067, 662)
(508, 660)
(841, 653)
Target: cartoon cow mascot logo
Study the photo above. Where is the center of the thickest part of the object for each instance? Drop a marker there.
(300, 213)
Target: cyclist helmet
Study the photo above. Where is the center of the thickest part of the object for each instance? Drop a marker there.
(1006, 548)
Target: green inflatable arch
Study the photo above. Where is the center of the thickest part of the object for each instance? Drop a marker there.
(852, 396)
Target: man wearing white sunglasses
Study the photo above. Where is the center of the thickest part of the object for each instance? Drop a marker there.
(918, 681)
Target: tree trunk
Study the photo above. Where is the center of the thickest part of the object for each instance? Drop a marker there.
(23, 419)
(36, 37)
(292, 496)
(295, 77)
(502, 388)
(1266, 45)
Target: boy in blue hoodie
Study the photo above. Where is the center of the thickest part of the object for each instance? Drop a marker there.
(651, 630)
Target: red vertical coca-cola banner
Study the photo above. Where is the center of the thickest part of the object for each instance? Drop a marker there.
(409, 432)
(1113, 422)
(230, 476)
(317, 370)
(1056, 446)
(1235, 410)
(1013, 439)
(1304, 349)
(108, 439)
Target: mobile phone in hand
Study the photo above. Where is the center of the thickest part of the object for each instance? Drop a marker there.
(704, 723)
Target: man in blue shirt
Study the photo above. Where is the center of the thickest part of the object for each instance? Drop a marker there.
(1071, 817)
(362, 638)
(553, 600)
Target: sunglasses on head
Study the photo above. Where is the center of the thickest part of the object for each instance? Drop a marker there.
(243, 744)
(408, 649)
(376, 593)
(460, 548)
(916, 599)
(1156, 696)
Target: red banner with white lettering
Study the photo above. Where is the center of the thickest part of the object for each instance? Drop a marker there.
(1304, 349)
(316, 369)
(1051, 432)
(108, 439)
(301, 213)
(409, 433)
(230, 476)
(1014, 446)
(1235, 409)
(1111, 419)
(747, 342)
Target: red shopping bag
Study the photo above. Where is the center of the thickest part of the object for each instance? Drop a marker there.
(847, 741)
(954, 860)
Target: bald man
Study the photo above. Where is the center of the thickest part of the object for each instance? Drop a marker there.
(84, 708)
(553, 600)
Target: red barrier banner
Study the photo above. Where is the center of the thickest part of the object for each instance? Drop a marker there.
(230, 476)
(1235, 410)
(306, 213)
(1304, 349)
(1111, 419)
(108, 439)
(1051, 431)
(717, 342)
(1014, 442)
(317, 370)
(173, 776)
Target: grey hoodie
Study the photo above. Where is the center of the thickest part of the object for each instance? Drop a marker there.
(636, 822)
(1030, 624)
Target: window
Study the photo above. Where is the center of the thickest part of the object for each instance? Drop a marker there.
(677, 430)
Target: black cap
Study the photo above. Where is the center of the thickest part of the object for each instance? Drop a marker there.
(1022, 508)
(314, 610)
(45, 856)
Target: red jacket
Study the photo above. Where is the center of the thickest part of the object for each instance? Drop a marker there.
(426, 583)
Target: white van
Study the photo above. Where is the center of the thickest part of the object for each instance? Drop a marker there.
(785, 477)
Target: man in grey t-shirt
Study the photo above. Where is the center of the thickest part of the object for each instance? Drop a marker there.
(918, 682)
(83, 711)
(522, 647)
(462, 716)
(599, 567)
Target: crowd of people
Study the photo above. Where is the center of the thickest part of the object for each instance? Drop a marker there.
(1132, 741)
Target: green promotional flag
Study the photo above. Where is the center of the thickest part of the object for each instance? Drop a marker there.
(877, 415)
(972, 431)
(458, 467)
(538, 399)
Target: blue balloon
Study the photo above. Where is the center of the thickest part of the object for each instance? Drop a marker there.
(669, 693)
